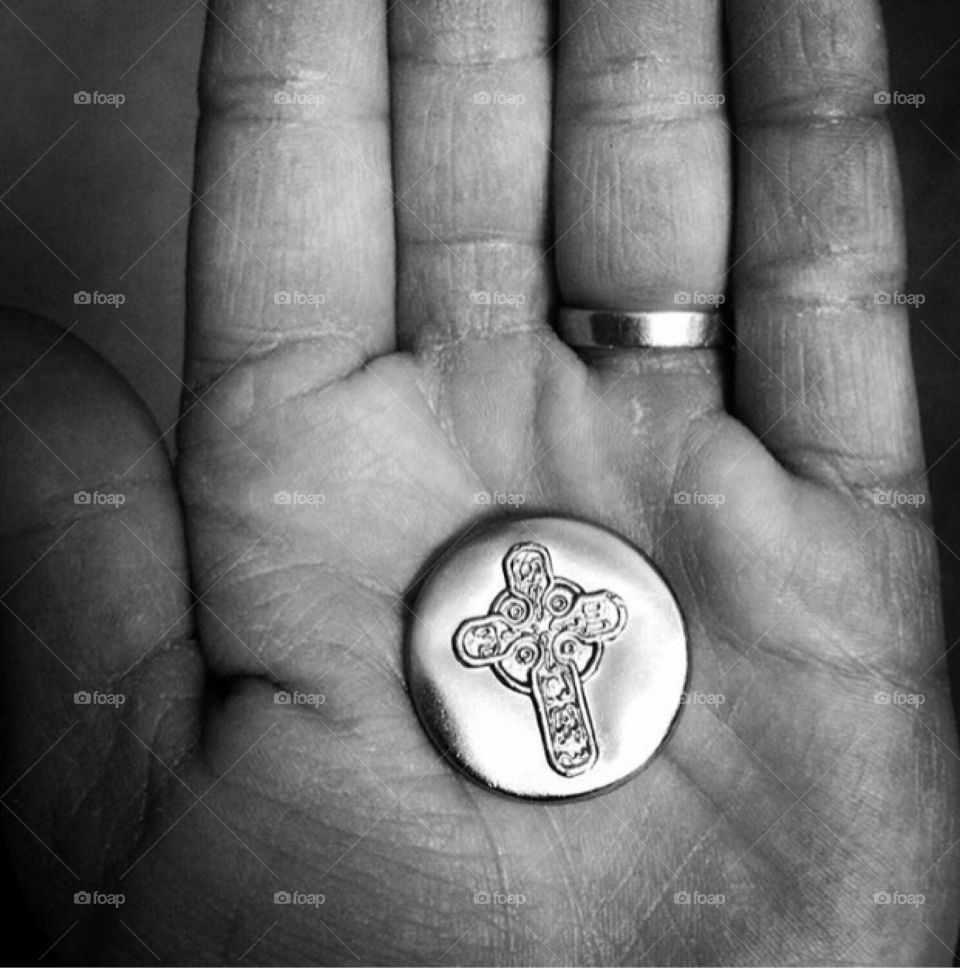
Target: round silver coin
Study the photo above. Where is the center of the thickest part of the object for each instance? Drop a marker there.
(547, 657)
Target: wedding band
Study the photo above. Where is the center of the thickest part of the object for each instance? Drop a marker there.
(615, 329)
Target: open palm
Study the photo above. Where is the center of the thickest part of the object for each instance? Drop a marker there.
(360, 392)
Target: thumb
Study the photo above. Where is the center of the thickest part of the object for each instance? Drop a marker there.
(101, 677)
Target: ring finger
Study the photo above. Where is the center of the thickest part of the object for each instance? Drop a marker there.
(642, 174)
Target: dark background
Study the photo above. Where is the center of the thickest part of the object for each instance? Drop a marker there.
(98, 199)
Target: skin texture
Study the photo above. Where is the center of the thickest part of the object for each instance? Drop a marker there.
(399, 398)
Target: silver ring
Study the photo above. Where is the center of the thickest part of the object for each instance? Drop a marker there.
(615, 329)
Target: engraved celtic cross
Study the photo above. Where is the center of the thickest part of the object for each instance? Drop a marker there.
(544, 636)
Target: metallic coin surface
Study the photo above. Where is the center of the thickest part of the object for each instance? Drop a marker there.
(547, 657)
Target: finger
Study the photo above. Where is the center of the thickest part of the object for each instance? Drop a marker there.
(101, 678)
(642, 172)
(823, 371)
(292, 237)
(472, 106)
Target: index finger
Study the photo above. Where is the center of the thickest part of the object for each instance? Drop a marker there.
(292, 237)
(823, 362)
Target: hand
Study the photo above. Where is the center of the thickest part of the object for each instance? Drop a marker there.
(411, 371)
